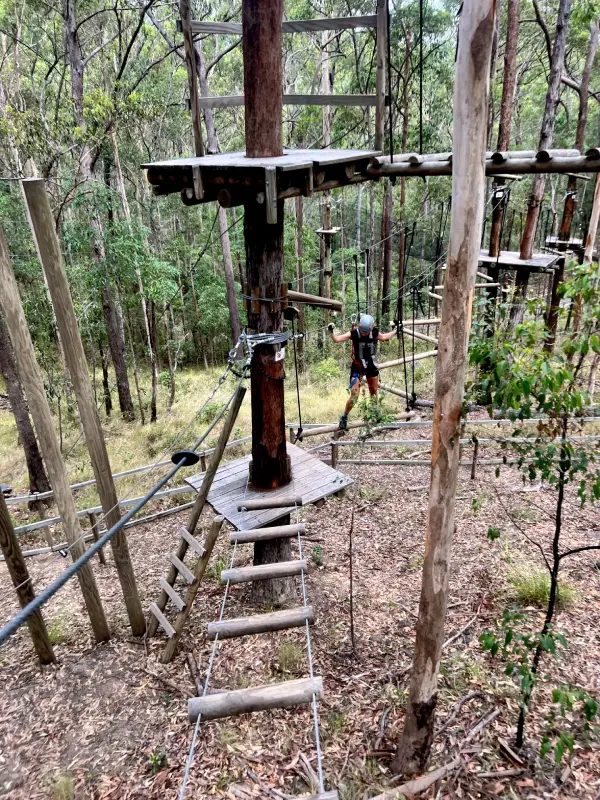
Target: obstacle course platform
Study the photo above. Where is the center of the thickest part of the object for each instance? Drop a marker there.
(509, 259)
(312, 479)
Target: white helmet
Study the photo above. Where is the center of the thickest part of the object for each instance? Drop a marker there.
(366, 323)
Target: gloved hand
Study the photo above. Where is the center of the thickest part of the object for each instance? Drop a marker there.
(331, 327)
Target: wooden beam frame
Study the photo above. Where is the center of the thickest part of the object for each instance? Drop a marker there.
(237, 100)
(291, 25)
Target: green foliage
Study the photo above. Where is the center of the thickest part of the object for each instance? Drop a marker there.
(493, 533)
(289, 657)
(327, 372)
(532, 588)
(515, 644)
(576, 710)
(317, 555)
(63, 788)
(373, 412)
(157, 761)
(164, 378)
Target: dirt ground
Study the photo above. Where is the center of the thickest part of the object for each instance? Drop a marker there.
(110, 721)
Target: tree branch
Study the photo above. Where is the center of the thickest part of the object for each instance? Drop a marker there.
(134, 36)
(221, 55)
(579, 550)
(526, 535)
(544, 27)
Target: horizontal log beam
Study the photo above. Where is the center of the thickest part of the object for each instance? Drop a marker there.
(315, 300)
(264, 572)
(281, 501)
(513, 166)
(237, 100)
(259, 698)
(264, 534)
(291, 25)
(408, 359)
(261, 623)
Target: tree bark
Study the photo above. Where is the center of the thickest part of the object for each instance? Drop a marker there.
(571, 196)
(105, 384)
(300, 274)
(509, 84)
(154, 345)
(547, 132)
(38, 480)
(116, 344)
(476, 29)
(388, 203)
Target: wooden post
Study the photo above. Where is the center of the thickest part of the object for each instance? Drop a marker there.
(190, 61)
(471, 89)
(33, 384)
(590, 239)
(94, 528)
(554, 305)
(200, 501)
(381, 58)
(22, 583)
(48, 246)
(192, 591)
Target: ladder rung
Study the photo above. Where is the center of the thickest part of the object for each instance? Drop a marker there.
(283, 501)
(262, 534)
(181, 567)
(192, 541)
(263, 572)
(324, 796)
(259, 698)
(176, 599)
(162, 620)
(261, 623)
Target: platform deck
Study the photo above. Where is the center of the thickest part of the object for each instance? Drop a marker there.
(509, 259)
(291, 159)
(312, 479)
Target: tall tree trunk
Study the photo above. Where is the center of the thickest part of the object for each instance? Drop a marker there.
(212, 146)
(136, 378)
(300, 274)
(509, 84)
(154, 343)
(116, 344)
(105, 384)
(471, 88)
(571, 197)
(112, 314)
(547, 132)
(168, 339)
(38, 480)
(494, 58)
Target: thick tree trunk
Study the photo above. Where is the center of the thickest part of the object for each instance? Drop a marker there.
(547, 132)
(154, 345)
(476, 29)
(300, 275)
(571, 196)
(38, 480)
(509, 84)
(270, 466)
(105, 384)
(116, 344)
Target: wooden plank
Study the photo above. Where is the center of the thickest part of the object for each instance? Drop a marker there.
(235, 101)
(263, 534)
(261, 623)
(292, 25)
(417, 335)
(435, 296)
(264, 572)
(173, 595)
(162, 620)
(408, 360)
(315, 300)
(511, 258)
(192, 541)
(281, 501)
(329, 24)
(181, 568)
(259, 698)
(291, 157)
(271, 195)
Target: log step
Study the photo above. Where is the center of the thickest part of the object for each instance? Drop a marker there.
(262, 534)
(263, 572)
(162, 620)
(261, 623)
(181, 567)
(175, 598)
(259, 698)
(283, 501)
(192, 542)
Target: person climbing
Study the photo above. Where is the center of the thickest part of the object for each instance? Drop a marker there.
(364, 340)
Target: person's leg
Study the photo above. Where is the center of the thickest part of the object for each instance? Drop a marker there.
(354, 394)
(373, 383)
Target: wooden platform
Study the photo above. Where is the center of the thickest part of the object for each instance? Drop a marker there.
(510, 259)
(233, 178)
(313, 480)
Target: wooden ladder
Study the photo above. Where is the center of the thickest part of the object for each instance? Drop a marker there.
(192, 577)
(275, 695)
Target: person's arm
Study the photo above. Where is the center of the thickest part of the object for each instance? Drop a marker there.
(342, 337)
(385, 337)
